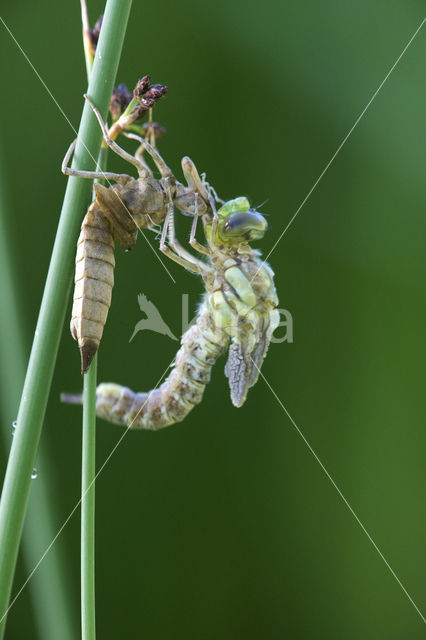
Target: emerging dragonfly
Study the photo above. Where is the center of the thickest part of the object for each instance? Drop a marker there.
(116, 214)
(239, 307)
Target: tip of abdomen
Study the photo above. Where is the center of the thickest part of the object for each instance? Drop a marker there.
(72, 398)
(87, 352)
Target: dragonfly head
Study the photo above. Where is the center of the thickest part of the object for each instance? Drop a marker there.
(238, 223)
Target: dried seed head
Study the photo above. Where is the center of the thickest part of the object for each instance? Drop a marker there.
(155, 92)
(148, 95)
(121, 97)
(159, 131)
(94, 34)
(144, 94)
(141, 86)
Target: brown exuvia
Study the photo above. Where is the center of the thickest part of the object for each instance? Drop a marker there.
(116, 214)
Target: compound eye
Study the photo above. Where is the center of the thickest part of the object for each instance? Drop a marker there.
(244, 225)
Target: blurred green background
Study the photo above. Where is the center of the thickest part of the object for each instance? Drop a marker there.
(225, 526)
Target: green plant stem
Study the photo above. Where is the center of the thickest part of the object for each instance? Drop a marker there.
(88, 476)
(88, 442)
(52, 602)
(88, 57)
(52, 312)
(88, 472)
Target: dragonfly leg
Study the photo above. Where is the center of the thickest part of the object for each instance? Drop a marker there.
(150, 134)
(87, 174)
(211, 189)
(176, 252)
(193, 179)
(168, 252)
(196, 183)
(162, 167)
(139, 150)
(192, 239)
(211, 239)
(111, 143)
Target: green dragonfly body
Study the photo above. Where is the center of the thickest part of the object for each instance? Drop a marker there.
(238, 313)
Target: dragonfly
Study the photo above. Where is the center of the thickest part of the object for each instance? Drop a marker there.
(238, 314)
(117, 214)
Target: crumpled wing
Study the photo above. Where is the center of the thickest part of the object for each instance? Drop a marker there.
(236, 369)
(245, 358)
(123, 224)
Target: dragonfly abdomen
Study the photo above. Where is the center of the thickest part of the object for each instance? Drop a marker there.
(202, 344)
(94, 279)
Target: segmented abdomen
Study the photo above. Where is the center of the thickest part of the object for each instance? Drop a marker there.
(202, 344)
(94, 279)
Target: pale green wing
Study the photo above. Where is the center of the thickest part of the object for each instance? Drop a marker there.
(245, 358)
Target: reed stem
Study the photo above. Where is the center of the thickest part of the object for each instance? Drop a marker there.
(88, 472)
(51, 596)
(48, 331)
